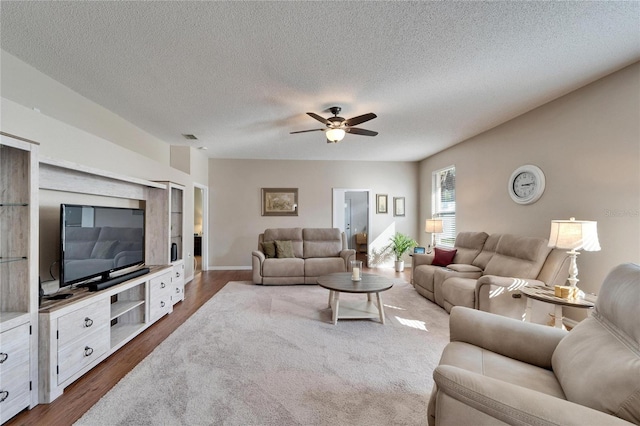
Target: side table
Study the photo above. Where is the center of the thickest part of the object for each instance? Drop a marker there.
(547, 295)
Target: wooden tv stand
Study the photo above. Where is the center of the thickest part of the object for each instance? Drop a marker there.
(77, 333)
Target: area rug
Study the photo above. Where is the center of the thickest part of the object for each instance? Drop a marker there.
(269, 355)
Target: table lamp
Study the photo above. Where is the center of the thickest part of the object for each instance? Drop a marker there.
(433, 226)
(574, 235)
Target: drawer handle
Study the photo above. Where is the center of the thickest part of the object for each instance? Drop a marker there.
(4, 395)
(178, 290)
(3, 357)
(162, 285)
(162, 304)
(88, 351)
(177, 274)
(88, 322)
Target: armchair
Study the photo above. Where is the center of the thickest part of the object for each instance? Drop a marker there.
(498, 370)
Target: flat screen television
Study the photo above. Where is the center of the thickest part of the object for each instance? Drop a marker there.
(96, 241)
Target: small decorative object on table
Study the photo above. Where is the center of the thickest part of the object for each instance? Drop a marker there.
(356, 270)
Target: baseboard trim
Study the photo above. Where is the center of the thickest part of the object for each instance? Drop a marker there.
(229, 268)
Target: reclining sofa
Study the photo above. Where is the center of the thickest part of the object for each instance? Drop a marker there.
(498, 371)
(315, 252)
(487, 272)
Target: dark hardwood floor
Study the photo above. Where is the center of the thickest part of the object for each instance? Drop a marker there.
(86, 391)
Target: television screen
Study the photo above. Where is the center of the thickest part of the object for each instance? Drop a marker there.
(95, 241)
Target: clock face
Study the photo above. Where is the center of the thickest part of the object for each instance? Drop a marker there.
(526, 184)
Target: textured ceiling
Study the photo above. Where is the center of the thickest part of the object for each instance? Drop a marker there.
(241, 75)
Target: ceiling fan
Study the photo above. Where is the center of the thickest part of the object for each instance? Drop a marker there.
(337, 127)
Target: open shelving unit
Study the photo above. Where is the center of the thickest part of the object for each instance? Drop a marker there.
(18, 275)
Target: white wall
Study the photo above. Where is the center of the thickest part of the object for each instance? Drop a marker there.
(29, 87)
(235, 188)
(588, 145)
(130, 152)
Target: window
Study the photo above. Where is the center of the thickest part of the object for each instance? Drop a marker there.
(443, 200)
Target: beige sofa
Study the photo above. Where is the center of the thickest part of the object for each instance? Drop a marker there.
(316, 252)
(498, 371)
(488, 271)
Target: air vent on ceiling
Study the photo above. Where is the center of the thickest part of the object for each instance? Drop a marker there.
(190, 137)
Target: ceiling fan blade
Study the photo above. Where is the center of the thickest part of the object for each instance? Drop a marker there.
(354, 121)
(363, 132)
(319, 118)
(305, 131)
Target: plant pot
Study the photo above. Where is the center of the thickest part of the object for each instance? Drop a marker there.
(399, 265)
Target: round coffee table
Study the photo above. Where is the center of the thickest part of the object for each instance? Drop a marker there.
(341, 283)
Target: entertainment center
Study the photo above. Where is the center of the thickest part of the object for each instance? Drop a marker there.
(44, 350)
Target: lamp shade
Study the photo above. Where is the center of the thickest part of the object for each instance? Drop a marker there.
(574, 234)
(433, 226)
(335, 135)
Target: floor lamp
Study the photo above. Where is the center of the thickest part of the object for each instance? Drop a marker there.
(433, 226)
(574, 235)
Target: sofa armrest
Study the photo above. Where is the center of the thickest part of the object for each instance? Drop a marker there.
(514, 404)
(510, 283)
(347, 255)
(257, 258)
(523, 341)
(421, 259)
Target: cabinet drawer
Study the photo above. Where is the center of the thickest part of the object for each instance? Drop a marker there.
(14, 390)
(177, 283)
(14, 349)
(160, 291)
(82, 322)
(80, 353)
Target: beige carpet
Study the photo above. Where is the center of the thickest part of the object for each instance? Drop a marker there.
(256, 355)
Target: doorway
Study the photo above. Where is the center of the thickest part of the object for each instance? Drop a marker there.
(352, 214)
(200, 228)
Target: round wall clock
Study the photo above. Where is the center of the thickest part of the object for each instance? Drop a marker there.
(526, 184)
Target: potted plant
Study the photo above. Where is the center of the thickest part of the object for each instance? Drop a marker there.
(399, 244)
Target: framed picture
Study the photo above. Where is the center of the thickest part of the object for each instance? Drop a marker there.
(381, 203)
(398, 206)
(279, 201)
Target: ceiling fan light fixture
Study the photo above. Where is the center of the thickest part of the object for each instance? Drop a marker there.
(335, 135)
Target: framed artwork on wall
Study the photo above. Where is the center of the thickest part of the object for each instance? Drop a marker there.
(398, 206)
(381, 203)
(279, 201)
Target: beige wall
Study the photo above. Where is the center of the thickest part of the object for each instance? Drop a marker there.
(235, 209)
(588, 145)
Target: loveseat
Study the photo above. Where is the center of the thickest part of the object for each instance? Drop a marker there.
(498, 370)
(299, 256)
(487, 271)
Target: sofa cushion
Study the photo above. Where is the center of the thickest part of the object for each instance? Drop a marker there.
(469, 245)
(488, 250)
(268, 248)
(598, 362)
(490, 364)
(286, 234)
(316, 267)
(292, 267)
(518, 256)
(443, 257)
(284, 249)
(458, 291)
(321, 242)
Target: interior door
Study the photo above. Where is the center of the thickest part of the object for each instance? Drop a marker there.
(347, 223)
